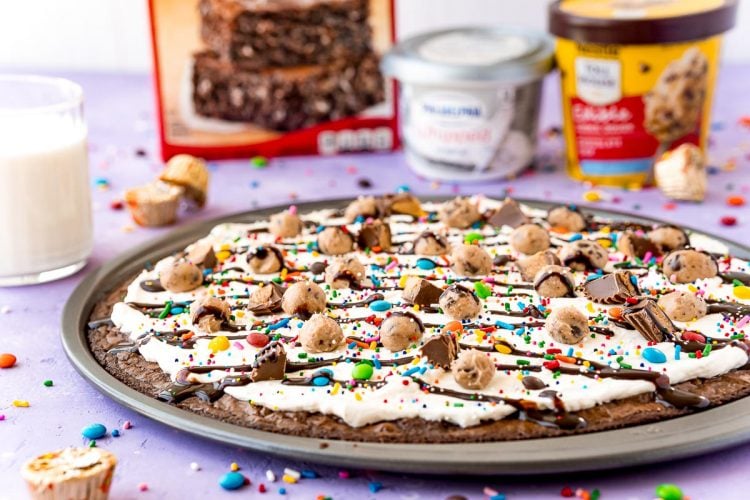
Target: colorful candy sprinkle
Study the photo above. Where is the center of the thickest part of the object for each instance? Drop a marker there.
(94, 431)
(654, 355)
(7, 360)
(426, 264)
(473, 237)
(218, 343)
(728, 220)
(232, 481)
(362, 371)
(259, 162)
(668, 491)
(483, 291)
(735, 200)
(380, 305)
(258, 339)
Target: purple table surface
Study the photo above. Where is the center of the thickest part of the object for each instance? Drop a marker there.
(120, 114)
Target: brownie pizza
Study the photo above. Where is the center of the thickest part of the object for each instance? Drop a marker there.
(399, 321)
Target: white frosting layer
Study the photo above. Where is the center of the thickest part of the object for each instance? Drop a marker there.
(400, 396)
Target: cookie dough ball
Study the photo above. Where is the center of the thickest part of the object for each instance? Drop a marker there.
(668, 238)
(345, 272)
(181, 276)
(400, 330)
(266, 260)
(459, 213)
(530, 266)
(529, 239)
(554, 281)
(683, 306)
(584, 255)
(335, 240)
(471, 260)
(686, 266)
(459, 302)
(286, 224)
(303, 298)
(320, 334)
(633, 245)
(375, 235)
(473, 369)
(210, 313)
(365, 206)
(567, 325)
(570, 219)
(429, 243)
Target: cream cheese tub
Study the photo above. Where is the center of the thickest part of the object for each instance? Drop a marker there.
(469, 100)
(637, 78)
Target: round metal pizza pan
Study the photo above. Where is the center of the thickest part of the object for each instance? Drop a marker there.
(701, 432)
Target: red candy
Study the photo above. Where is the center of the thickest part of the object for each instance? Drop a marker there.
(7, 360)
(258, 340)
(567, 492)
(694, 336)
(551, 365)
(728, 220)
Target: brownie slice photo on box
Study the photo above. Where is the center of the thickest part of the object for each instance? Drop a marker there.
(285, 65)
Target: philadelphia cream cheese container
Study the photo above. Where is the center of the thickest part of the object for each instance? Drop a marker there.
(469, 100)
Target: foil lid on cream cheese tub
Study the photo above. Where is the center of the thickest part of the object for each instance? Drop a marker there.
(470, 100)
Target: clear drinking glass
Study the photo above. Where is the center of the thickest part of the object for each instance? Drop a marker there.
(45, 203)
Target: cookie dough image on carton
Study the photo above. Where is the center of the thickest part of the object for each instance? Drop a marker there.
(637, 81)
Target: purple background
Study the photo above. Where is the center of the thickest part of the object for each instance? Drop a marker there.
(121, 118)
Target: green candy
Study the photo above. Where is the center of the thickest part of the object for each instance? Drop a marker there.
(259, 161)
(668, 491)
(362, 371)
(472, 237)
(483, 291)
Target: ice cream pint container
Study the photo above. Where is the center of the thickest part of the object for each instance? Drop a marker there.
(469, 100)
(638, 78)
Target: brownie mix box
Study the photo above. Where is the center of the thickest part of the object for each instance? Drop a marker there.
(239, 78)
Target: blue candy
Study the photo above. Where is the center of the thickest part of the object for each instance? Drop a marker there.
(279, 324)
(94, 431)
(426, 264)
(232, 481)
(320, 381)
(576, 237)
(375, 486)
(654, 355)
(380, 305)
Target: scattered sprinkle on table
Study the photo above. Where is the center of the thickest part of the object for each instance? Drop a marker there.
(7, 360)
(94, 431)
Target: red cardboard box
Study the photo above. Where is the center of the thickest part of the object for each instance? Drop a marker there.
(239, 78)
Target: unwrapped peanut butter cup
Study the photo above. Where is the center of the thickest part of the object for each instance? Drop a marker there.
(612, 288)
(270, 363)
(650, 320)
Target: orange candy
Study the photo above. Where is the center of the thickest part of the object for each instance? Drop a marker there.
(453, 326)
(735, 201)
(7, 360)
(615, 312)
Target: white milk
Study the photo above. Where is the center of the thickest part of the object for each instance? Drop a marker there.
(45, 204)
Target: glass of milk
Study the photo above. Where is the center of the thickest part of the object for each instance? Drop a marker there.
(45, 205)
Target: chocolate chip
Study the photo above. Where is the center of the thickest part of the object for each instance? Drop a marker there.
(533, 383)
(318, 267)
(364, 183)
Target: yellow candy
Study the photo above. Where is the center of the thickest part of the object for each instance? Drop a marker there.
(234, 467)
(592, 196)
(402, 280)
(19, 403)
(357, 396)
(223, 255)
(742, 292)
(692, 288)
(590, 307)
(284, 273)
(225, 246)
(220, 343)
(605, 242)
(335, 389)
(503, 349)
(288, 479)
